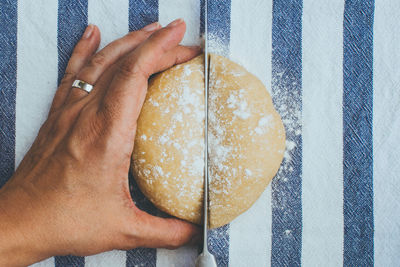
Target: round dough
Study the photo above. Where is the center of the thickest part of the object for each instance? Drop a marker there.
(246, 140)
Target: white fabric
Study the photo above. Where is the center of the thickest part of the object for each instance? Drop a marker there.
(251, 46)
(386, 133)
(322, 197)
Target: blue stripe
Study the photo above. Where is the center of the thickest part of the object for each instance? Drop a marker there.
(219, 21)
(8, 87)
(141, 257)
(219, 28)
(286, 94)
(72, 21)
(141, 13)
(357, 133)
(218, 244)
(219, 25)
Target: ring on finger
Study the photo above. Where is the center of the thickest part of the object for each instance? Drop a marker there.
(87, 87)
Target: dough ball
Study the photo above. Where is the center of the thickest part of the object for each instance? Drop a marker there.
(168, 156)
(246, 141)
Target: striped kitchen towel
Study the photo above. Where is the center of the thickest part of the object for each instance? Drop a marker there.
(333, 70)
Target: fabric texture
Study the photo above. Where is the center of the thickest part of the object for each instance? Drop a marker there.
(332, 68)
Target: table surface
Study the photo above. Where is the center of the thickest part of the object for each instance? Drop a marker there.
(332, 68)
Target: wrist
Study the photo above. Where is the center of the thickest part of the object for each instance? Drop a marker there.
(21, 242)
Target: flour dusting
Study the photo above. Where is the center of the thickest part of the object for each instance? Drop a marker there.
(180, 137)
(238, 125)
(239, 105)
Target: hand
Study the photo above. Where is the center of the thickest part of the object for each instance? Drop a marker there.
(70, 194)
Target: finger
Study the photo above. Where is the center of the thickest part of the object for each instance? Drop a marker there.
(110, 54)
(82, 52)
(146, 58)
(179, 55)
(156, 232)
(126, 93)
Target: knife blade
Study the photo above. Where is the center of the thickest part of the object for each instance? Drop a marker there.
(205, 259)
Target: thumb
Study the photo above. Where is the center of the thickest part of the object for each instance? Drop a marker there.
(171, 233)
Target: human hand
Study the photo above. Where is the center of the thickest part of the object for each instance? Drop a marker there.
(70, 194)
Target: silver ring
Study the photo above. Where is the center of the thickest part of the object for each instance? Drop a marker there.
(82, 85)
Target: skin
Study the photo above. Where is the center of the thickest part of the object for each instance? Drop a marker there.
(70, 194)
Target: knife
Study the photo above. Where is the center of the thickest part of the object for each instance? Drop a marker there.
(205, 259)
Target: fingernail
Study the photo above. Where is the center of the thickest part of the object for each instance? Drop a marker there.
(88, 32)
(175, 23)
(151, 27)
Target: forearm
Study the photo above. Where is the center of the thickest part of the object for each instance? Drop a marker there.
(20, 244)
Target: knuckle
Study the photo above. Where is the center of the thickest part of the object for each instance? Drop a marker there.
(137, 34)
(79, 52)
(129, 69)
(140, 35)
(72, 149)
(67, 79)
(176, 238)
(117, 43)
(164, 48)
(173, 245)
(98, 60)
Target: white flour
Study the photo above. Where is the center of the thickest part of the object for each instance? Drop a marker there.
(186, 113)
